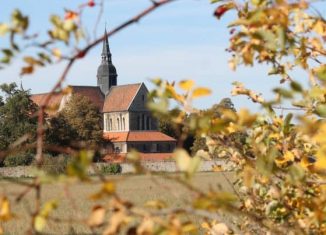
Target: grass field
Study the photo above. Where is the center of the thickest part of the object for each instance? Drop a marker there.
(74, 202)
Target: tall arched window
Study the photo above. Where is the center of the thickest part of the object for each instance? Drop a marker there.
(143, 122)
(123, 123)
(147, 123)
(118, 123)
(138, 123)
(111, 127)
(107, 128)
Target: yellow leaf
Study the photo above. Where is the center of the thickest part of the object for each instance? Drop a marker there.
(201, 91)
(182, 159)
(157, 204)
(39, 223)
(285, 160)
(57, 53)
(97, 216)
(320, 164)
(5, 213)
(320, 28)
(186, 84)
(217, 168)
(108, 188)
(48, 208)
(3, 29)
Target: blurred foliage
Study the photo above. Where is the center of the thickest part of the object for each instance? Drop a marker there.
(280, 163)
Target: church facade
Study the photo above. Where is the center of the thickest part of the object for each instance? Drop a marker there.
(127, 123)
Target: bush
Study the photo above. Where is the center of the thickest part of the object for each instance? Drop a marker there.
(55, 165)
(20, 159)
(111, 169)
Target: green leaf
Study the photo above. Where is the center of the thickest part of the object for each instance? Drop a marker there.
(321, 110)
(296, 86)
(287, 123)
(283, 92)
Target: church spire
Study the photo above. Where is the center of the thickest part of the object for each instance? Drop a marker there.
(106, 54)
(106, 73)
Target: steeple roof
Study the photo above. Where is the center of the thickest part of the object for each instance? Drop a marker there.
(106, 53)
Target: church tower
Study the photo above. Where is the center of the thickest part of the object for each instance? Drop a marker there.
(106, 72)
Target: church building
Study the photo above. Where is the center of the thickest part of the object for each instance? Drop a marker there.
(127, 123)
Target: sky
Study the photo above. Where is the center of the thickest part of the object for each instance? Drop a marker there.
(179, 41)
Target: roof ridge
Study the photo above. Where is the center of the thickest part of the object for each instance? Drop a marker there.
(130, 84)
(83, 86)
(46, 93)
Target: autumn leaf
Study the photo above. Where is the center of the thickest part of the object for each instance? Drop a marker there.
(201, 91)
(96, 217)
(4, 28)
(5, 212)
(27, 70)
(70, 15)
(186, 84)
(220, 10)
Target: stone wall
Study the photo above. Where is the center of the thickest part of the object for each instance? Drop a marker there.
(127, 168)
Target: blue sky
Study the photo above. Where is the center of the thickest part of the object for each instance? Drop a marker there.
(178, 41)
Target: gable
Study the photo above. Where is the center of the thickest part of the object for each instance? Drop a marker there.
(140, 100)
(121, 97)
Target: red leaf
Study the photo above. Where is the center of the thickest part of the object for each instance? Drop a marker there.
(70, 15)
(222, 9)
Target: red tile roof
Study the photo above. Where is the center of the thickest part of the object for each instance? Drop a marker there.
(54, 102)
(119, 98)
(137, 136)
(122, 157)
(93, 93)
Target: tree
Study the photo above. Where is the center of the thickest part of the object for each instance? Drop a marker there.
(18, 121)
(78, 124)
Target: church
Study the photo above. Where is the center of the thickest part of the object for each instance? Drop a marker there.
(127, 123)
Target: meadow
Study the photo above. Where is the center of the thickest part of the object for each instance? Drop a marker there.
(74, 203)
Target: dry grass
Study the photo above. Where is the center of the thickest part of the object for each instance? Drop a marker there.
(74, 200)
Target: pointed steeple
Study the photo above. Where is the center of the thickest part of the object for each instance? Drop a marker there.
(106, 53)
(106, 73)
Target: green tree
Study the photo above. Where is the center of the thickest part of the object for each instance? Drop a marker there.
(78, 124)
(17, 116)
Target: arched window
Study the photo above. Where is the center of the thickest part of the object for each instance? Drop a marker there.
(138, 122)
(118, 123)
(123, 123)
(147, 123)
(143, 123)
(107, 124)
(111, 127)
